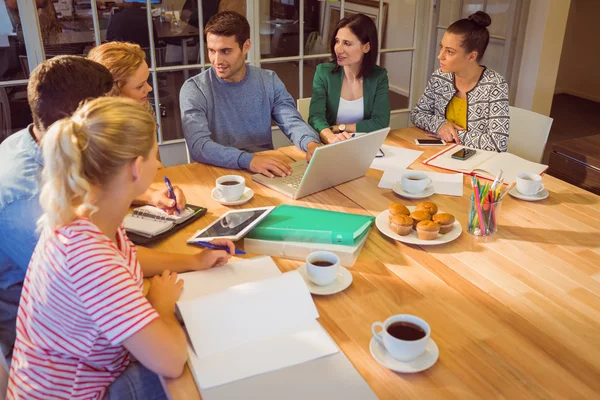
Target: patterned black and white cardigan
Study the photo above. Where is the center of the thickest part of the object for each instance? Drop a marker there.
(487, 109)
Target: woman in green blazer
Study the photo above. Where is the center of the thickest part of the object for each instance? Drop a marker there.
(350, 94)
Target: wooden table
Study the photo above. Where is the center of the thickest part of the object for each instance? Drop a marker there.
(577, 161)
(515, 316)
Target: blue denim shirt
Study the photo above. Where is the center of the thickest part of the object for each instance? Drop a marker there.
(20, 172)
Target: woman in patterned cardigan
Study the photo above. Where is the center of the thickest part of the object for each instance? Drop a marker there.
(465, 102)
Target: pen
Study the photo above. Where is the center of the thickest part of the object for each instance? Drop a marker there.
(172, 193)
(209, 245)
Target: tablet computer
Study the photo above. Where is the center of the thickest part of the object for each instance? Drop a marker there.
(232, 225)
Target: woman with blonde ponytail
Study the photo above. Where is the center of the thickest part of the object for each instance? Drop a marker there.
(82, 312)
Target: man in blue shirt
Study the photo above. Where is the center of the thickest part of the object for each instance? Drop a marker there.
(55, 89)
(227, 110)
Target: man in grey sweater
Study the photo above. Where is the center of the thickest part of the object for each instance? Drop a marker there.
(226, 111)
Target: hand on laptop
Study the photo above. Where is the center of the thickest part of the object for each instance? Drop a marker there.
(269, 166)
(310, 149)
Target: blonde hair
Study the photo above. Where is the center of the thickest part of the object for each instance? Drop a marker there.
(89, 148)
(121, 58)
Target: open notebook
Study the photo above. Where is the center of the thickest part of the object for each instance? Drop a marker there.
(485, 164)
(247, 318)
(150, 222)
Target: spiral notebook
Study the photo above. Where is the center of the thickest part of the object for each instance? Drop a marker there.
(150, 222)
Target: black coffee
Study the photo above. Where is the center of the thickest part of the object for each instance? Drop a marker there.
(322, 263)
(414, 179)
(406, 331)
(229, 183)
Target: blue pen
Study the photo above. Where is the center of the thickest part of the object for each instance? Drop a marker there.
(172, 193)
(209, 245)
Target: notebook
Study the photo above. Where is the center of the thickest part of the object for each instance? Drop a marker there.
(247, 318)
(312, 225)
(148, 223)
(485, 164)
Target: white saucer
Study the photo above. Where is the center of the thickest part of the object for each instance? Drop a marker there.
(383, 224)
(399, 190)
(248, 194)
(541, 195)
(421, 363)
(344, 279)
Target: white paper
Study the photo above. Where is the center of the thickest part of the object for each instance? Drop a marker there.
(446, 184)
(244, 313)
(261, 356)
(214, 280)
(395, 157)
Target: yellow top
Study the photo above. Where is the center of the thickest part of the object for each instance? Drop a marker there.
(457, 112)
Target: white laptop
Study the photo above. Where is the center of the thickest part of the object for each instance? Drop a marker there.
(330, 165)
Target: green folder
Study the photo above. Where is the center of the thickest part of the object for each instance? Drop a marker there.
(302, 224)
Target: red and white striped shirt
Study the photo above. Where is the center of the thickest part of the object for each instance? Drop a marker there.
(82, 297)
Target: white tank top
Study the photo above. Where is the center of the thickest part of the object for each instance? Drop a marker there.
(350, 112)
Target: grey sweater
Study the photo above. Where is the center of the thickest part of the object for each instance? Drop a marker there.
(225, 122)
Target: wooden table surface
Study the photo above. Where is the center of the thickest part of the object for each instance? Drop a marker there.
(515, 315)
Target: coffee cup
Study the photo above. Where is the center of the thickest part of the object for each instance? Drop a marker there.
(415, 181)
(322, 267)
(404, 336)
(230, 187)
(529, 183)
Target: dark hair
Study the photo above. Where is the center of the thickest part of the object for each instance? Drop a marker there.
(474, 32)
(57, 86)
(365, 30)
(229, 23)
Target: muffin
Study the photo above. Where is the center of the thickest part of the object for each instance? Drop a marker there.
(428, 206)
(397, 209)
(427, 230)
(401, 224)
(419, 216)
(445, 220)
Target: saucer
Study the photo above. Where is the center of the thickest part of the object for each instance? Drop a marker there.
(399, 190)
(421, 363)
(541, 195)
(248, 194)
(344, 279)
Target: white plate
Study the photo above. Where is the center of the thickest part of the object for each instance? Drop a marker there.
(421, 363)
(399, 190)
(541, 195)
(383, 224)
(248, 194)
(344, 279)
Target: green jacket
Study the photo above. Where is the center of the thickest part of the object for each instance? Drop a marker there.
(325, 101)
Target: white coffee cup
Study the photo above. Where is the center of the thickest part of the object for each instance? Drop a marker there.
(415, 181)
(402, 350)
(322, 275)
(230, 192)
(529, 184)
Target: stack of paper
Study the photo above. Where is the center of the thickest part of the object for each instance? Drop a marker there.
(251, 328)
(447, 184)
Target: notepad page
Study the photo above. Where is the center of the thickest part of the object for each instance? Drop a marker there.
(146, 227)
(157, 212)
(244, 313)
(446, 161)
(511, 166)
(305, 343)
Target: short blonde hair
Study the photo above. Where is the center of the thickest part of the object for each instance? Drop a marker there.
(121, 58)
(89, 148)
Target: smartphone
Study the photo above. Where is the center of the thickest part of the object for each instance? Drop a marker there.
(463, 154)
(379, 154)
(429, 142)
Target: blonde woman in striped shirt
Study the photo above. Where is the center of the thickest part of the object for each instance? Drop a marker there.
(82, 312)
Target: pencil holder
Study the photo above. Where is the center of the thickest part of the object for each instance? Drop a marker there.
(483, 217)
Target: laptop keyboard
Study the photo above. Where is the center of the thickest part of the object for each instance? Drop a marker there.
(293, 181)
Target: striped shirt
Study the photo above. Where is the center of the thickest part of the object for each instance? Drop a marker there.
(82, 297)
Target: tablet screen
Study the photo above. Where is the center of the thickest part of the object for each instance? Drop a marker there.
(232, 224)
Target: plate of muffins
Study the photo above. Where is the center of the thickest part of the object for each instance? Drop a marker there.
(422, 224)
